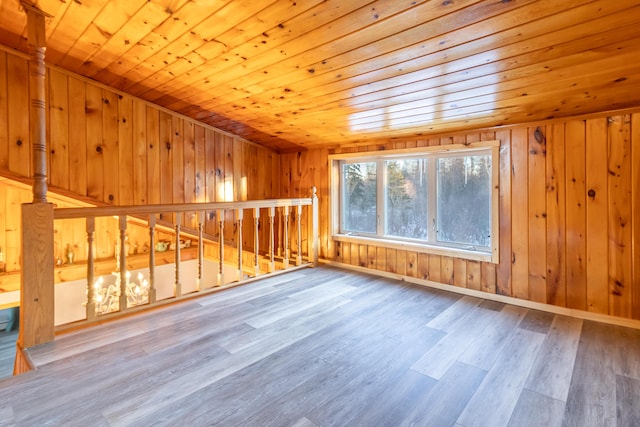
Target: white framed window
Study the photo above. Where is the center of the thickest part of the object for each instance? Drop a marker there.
(441, 200)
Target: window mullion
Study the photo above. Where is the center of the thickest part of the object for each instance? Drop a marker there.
(381, 197)
(431, 198)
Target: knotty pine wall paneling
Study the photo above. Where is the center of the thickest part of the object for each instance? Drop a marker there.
(537, 203)
(18, 143)
(597, 280)
(58, 135)
(112, 148)
(635, 208)
(575, 176)
(188, 157)
(568, 203)
(619, 191)
(77, 136)
(4, 112)
(556, 267)
(126, 165)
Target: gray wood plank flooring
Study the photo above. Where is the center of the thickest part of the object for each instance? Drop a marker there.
(328, 347)
(7, 352)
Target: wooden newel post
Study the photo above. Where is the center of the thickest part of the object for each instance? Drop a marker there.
(37, 292)
(38, 131)
(36, 296)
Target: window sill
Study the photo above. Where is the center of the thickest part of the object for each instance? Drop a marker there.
(416, 247)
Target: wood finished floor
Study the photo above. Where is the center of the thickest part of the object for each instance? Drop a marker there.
(7, 353)
(327, 347)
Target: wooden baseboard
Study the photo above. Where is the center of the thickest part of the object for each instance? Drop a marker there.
(580, 314)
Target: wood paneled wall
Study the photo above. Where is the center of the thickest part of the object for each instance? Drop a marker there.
(569, 228)
(569, 222)
(117, 149)
(121, 150)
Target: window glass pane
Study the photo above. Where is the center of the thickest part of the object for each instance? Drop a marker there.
(359, 197)
(464, 200)
(406, 198)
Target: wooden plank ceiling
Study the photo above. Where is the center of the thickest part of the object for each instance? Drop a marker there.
(291, 74)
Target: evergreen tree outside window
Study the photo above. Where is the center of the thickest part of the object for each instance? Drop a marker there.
(464, 200)
(444, 198)
(406, 198)
(360, 199)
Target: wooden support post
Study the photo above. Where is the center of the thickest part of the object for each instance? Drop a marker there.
(314, 238)
(200, 285)
(272, 264)
(152, 259)
(37, 292)
(256, 242)
(239, 218)
(220, 215)
(91, 303)
(285, 237)
(37, 44)
(177, 286)
(124, 280)
(299, 226)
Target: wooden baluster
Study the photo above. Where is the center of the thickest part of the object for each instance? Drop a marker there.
(280, 220)
(91, 302)
(177, 286)
(315, 238)
(299, 224)
(285, 213)
(272, 263)
(256, 242)
(220, 214)
(200, 249)
(123, 263)
(239, 218)
(152, 259)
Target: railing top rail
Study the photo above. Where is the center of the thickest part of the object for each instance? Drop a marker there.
(70, 213)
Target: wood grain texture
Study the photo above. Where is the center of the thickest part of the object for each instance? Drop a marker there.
(294, 76)
(619, 214)
(576, 215)
(596, 228)
(4, 116)
(343, 358)
(519, 214)
(592, 395)
(537, 255)
(551, 234)
(19, 142)
(37, 296)
(556, 215)
(635, 200)
(504, 281)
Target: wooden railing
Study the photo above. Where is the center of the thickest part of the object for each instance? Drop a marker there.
(283, 219)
